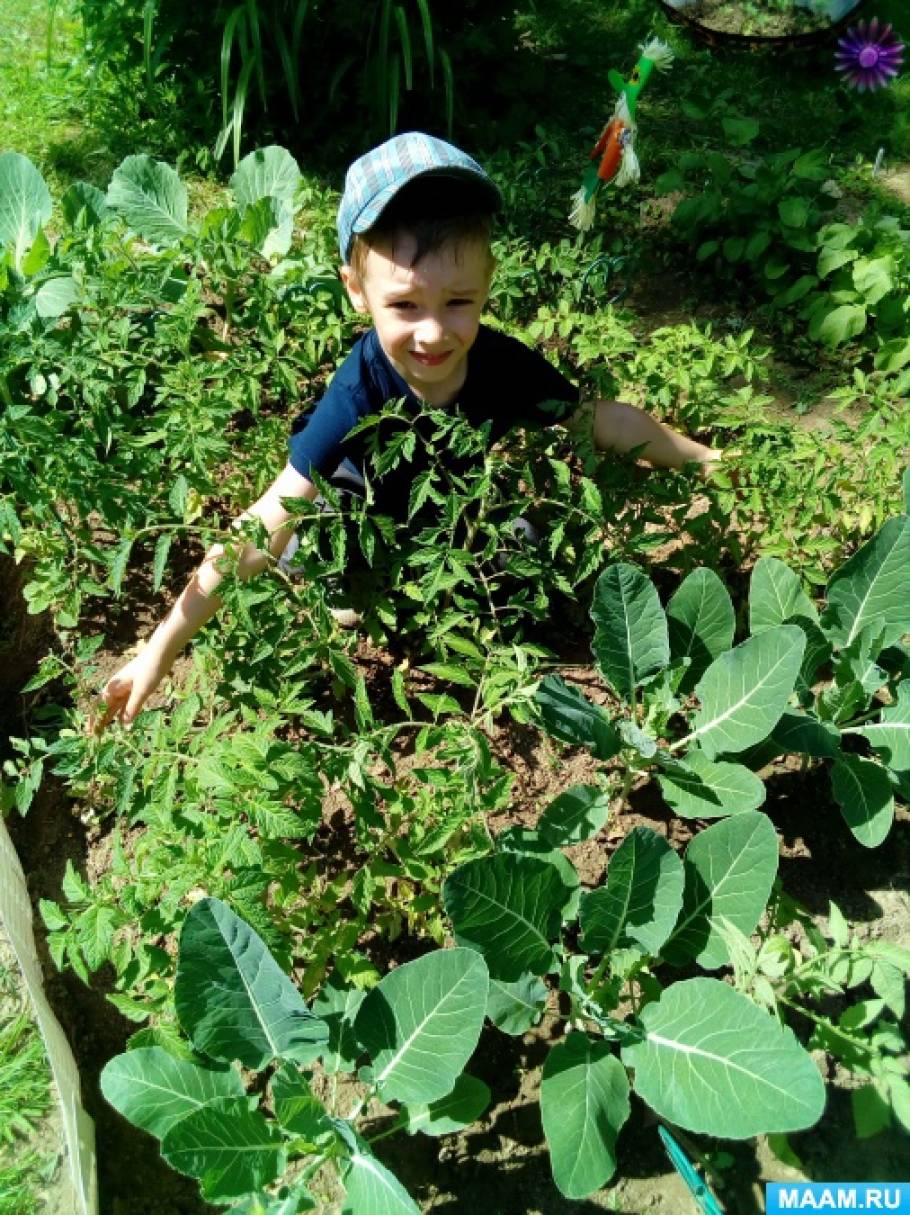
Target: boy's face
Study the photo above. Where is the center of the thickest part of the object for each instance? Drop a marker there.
(426, 316)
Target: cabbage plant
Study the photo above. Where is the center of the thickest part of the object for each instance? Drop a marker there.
(701, 1054)
(417, 1029)
(38, 283)
(701, 714)
(131, 335)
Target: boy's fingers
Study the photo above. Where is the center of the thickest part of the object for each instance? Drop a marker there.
(133, 705)
(112, 699)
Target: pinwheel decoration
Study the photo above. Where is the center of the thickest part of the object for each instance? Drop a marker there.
(869, 55)
(614, 152)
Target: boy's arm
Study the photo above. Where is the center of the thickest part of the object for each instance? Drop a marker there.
(620, 427)
(126, 692)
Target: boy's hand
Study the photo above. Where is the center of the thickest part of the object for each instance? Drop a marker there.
(710, 463)
(127, 691)
(722, 463)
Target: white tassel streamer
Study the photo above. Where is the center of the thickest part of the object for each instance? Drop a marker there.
(659, 53)
(629, 169)
(582, 214)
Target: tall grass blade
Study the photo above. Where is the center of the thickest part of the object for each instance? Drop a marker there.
(382, 57)
(223, 136)
(148, 29)
(252, 10)
(448, 81)
(290, 55)
(240, 94)
(289, 69)
(297, 32)
(227, 42)
(290, 52)
(338, 76)
(394, 91)
(426, 21)
(49, 37)
(404, 38)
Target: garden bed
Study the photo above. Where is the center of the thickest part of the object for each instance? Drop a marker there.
(502, 1161)
(764, 23)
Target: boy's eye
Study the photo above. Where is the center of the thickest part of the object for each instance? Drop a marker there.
(458, 303)
(401, 305)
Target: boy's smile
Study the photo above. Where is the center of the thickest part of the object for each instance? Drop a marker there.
(426, 315)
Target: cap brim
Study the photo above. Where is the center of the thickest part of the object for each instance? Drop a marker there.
(486, 189)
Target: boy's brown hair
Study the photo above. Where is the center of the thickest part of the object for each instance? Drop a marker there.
(435, 211)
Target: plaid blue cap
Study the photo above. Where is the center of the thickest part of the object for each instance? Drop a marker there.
(375, 178)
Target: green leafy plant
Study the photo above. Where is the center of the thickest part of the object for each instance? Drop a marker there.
(863, 270)
(703, 1056)
(850, 988)
(762, 215)
(760, 698)
(698, 381)
(518, 908)
(418, 1028)
(125, 361)
(771, 217)
(801, 493)
(808, 495)
(256, 33)
(235, 798)
(325, 787)
(605, 960)
(278, 61)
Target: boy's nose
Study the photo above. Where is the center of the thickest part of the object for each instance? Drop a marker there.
(429, 330)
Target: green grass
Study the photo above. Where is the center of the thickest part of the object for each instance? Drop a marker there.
(42, 100)
(25, 1099)
(53, 111)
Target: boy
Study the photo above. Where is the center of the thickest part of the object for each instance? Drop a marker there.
(414, 230)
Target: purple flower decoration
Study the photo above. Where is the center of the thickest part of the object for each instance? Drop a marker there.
(869, 55)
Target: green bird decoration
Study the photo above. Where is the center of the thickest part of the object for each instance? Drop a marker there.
(614, 152)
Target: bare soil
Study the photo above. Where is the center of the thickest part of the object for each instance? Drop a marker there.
(755, 17)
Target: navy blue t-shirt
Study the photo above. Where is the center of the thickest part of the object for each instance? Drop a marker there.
(507, 384)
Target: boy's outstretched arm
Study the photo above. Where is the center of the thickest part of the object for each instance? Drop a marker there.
(620, 427)
(127, 691)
